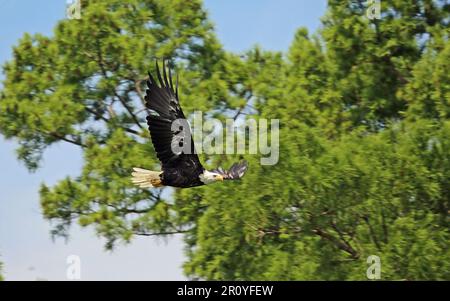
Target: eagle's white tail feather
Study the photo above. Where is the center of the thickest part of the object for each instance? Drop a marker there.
(146, 178)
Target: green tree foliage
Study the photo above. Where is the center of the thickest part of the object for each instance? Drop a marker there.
(84, 86)
(1, 270)
(364, 141)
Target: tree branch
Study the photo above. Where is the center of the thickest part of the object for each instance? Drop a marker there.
(341, 245)
(64, 138)
(137, 84)
(339, 232)
(372, 233)
(96, 114)
(238, 113)
(385, 229)
(120, 98)
(124, 103)
(107, 120)
(162, 233)
(69, 140)
(241, 109)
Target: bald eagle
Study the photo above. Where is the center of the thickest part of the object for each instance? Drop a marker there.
(179, 168)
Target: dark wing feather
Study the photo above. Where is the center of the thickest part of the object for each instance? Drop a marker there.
(164, 108)
(236, 171)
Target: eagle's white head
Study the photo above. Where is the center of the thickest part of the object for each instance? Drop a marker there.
(209, 177)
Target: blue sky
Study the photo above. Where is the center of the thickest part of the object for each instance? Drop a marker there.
(25, 244)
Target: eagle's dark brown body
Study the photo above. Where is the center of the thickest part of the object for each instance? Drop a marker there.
(184, 174)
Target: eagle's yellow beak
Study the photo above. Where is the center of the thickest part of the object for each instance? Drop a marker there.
(219, 178)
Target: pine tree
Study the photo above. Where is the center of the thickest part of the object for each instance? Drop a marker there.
(1, 270)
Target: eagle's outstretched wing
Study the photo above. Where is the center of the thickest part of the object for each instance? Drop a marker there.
(164, 109)
(236, 171)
